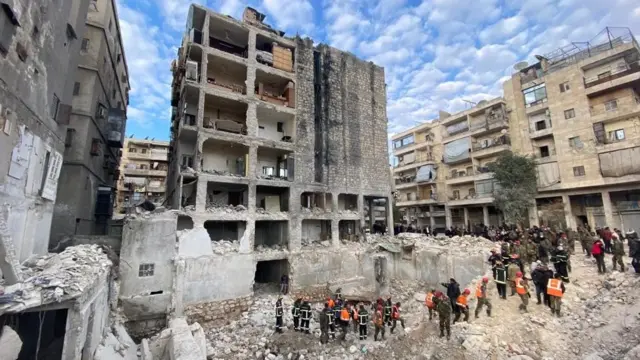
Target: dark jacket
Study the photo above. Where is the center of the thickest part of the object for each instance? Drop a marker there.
(538, 276)
(453, 290)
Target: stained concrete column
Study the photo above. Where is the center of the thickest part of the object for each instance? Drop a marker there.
(390, 219)
(371, 215)
(485, 215)
(9, 262)
(466, 217)
(335, 233)
(568, 213)
(533, 215)
(251, 65)
(608, 209)
(252, 168)
(201, 195)
(432, 219)
(447, 214)
(361, 210)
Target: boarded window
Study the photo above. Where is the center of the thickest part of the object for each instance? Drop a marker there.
(578, 171)
(569, 114)
(564, 87)
(146, 270)
(76, 88)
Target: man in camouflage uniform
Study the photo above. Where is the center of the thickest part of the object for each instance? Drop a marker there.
(583, 235)
(443, 307)
(618, 252)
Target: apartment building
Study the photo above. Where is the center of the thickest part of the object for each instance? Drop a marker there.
(95, 134)
(440, 167)
(577, 112)
(143, 173)
(37, 54)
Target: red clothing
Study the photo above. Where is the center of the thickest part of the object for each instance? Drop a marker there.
(596, 249)
(606, 235)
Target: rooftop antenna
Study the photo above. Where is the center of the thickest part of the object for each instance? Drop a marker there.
(520, 66)
(146, 138)
(470, 102)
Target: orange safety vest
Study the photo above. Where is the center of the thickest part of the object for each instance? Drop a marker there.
(520, 289)
(554, 287)
(331, 303)
(344, 315)
(395, 312)
(379, 318)
(462, 301)
(429, 300)
(479, 291)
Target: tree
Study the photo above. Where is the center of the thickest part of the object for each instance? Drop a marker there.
(516, 186)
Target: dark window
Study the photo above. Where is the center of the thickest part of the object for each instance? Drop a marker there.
(280, 127)
(85, 44)
(145, 270)
(133, 150)
(578, 171)
(544, 151)
(541, 125)
(118, 58)
(68, 140)
(143, 151)
(569, 114)
(565, 87)
(55, 103)
(95, 147)
(76, 88)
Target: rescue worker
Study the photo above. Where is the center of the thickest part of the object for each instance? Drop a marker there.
(354, 315)
(483, 297)
(523, 291)
(443, 307)
(618, 252)
(395, 315)
(501, 280)
(544, 248)
(337, 308)
(331, 322)
(344, 321)
(363, 320)
(325, 315)
(295, 311)
(634, 249)
(560, 258)
(463, 306)
(597, 250)
(512, 270)
(387, 311)
(539, 281)
(555, 290)
(493, 259)
(453, 291)
(378, 322)
(279, 313)
(331, 303)
(429, 302)
(305, 316)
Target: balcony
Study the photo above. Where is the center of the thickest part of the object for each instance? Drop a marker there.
(541, 133)
(275, 89)
(158, 155)
(229, 38)
(420, 160)
(457, 128)
(537, 106)
(475, 199)
(225, 115)
(405, 182)
(620, 76)
(615, 109)
(226, 75)
(418, 201)
(274, 55)
(460, 178)
(491, 147)
(547, 157)
(145, 172)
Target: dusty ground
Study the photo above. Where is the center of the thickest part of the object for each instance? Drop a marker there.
(601, 320)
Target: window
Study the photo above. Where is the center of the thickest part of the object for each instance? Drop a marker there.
(544, 151)
(575, 142)
(113, 93)
(280, 127)
(472, 192)
(85, 44)
(189, 119)
(578, 171)
(144, 151)
(55, 103)
(541, 125)
(403, 142)
(616, 135)
(110, 24)
(118, 58)
(569, 114)
(146, 270)
(456, 194)
(133, 150)
(268, 170)
(187, 161)
(123, 78)
(68, 140)
(95, 147)
(101, 111)
(605, 74)
(535, 95)
(76, 88)
(565, 87)
(143, 167)
(8, 24)
(611, 105)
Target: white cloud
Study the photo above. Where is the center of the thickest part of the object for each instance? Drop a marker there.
(450, 87)
(291, 14)
(502, 29)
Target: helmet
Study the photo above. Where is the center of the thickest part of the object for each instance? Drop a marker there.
(438, 294)
(519, 274)
(485, 279)
(467, 291)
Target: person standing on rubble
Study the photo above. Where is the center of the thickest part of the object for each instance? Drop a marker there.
(618, 252)
(495, 257)
(363, 321)
(560, 259)
(353, 313)
(462, 302)
(512, 270)
(501, 280)
(395, 314)
(331, 321)
(279, 313)
(430, 303)
(453, 291)
(344, 321)
(522, 288)
(305, 314)
(295, 311)
(483, 297)
(597, 250)
(540, 279)
(583, 236)
(378, 322)
(443, 307)
(387, 311)
(284, 284)
(634, 249)
(325, 314)
(555, 290)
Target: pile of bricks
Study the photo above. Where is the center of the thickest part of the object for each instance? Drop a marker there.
(217, 310)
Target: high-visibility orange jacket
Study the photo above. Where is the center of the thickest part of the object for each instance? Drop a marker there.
(344, 314)
(331, 303)
(554, 287)
(395, 312)
(479, 293)
(429, 300)
(462, 300)
(520, 289)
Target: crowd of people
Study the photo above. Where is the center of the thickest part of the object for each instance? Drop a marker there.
(537, 259)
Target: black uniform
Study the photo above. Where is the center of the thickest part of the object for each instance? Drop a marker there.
(560, 259)
(453, 291)
(279, 313)
(501, 280)
(363, 319)
(325, 315)
(387, 312)
(305, 315)
(331, 321)
(295, 311)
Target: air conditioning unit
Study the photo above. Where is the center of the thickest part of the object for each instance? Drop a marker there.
(192, 70)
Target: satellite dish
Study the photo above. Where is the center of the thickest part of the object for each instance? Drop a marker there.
(482, 102)
(521, 65)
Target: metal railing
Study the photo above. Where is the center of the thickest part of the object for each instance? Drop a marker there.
(501, 140)
(622, 104)
(618, 72)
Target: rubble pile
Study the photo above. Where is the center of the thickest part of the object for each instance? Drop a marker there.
(54, 278)
(276, 247)
(315, 210)
(226, 208)
(263, 211)
(316, 243)
(221, 173)
(222, 247)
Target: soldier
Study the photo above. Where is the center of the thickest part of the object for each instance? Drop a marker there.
(583, 236)
(501, 280)
(295, 311)
(363, 320)
(544, 249)
(523, 291)
(443, 307)
(512, 270)
(483, 297)
(305, 315)
(555, 290)
(279, 313)
(634, 249)
(618, 252)
(463, 306)
(572, 236)
(325, 315)
(378, 322)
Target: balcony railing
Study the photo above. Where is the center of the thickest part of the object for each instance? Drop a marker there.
(501, 140)
(406, 180)
(618, 72)
(459, 175)
(620, 105)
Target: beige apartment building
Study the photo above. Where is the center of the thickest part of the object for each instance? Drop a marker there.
(576, 111)
(143, 173)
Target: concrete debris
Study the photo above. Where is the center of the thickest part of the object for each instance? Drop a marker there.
(54, 278)
(263, 211)
(316, 243)
(276, 247)
(220, 173)
(226, 209)
(10, 344)
(117, 345)
(222, 247)
(315, 210)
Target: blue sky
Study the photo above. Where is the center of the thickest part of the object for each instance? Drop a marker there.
(436, 53)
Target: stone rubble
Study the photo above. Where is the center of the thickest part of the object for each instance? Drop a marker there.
(222, 247)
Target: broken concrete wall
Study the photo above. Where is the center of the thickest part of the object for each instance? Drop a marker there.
(145, 243)
(183, 345)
